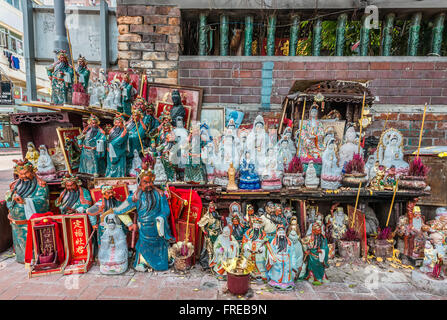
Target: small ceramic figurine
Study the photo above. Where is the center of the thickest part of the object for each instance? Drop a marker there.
(435, 252)
(317, 251)
(238, 226)
(61, 77)
(94, 94)
(311, 181)
(208, 158)
(26, 196)
(336, 224)
(257, 143)
(83, 72)
(117, 149)
(231, 186)
(136, 130)
(348, 149)
(194, 170)
(285, 149)
(126, 95)
(390, 151)
(293, 233)
(281, 271)
(179, 153)
(226, 247)
(272, 172)
(108, 101)
(32, 154)
(45, 167)
(248, 178)
(58, 157)
(92, 143)
(211, 225)
(377, 182)
(178, 110)
(159, 171)
(113, 254)
(136, 164)
(330, 173)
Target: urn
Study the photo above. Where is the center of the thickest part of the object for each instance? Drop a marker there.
(412, 182)
(348, 250)
(382, 248)
(293, 179)
(353, 179)
(238, 283)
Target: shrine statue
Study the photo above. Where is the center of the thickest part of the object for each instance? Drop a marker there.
(136, 164)
(74, 198)
(93, 90)
(293, 233)
(311, 181)
(58, 157)
(136, 130)
(194, 170)
(27, 195)
(165, 144)
(238, 227)
(336, 224)
(159, 171)
(83, 72)
(126, 95)
(208, 157)
(108, 101)
(149, 118)
(61, 77)
(91, 142)
(257, 143)
(117, 149)
(248, 177)
(350, 147)
(116, 94)
(45, 167)
(226, 247)
(312, 136)
(280, 261)
(153, 227)
(113, 254)
(32, 154)
(211, 225)
(370, 167)
(232, 186)
(331, 175)
(178, 110)
(372, 223)
(272, 171)
(378, 180)
(317, 251)
(319, 218)
(413, 230)
(255, 247)
(179, 154)
(390, 151)
(435, 252)
(229, 147)
(286, 149)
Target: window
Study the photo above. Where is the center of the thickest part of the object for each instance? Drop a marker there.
(14, 3)
(11, 41)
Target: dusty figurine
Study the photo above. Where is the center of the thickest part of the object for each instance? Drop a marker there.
(226, 247)
(330, 173)
(350, 147)
(159, 171)
(211, 225)
(92, 143)
(194, 169)
(316, 252)
(272, 171)
(61, 77)
(435, 252)
(390, 151)
(27, 195)
(231, 186)
(117, 149)
(336, 224)
(126, 95)
(311, 181)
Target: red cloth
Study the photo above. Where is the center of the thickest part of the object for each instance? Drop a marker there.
(29, 237)
(144, 92)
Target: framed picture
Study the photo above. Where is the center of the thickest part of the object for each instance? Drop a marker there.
(70, 148)
(214, 118)
(130, 182)
(236, 115)
(160, 95)
(121, 193)
(338, 127)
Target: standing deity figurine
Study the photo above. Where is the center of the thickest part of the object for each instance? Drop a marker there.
(159, 171)
(102, 87)
(285, 149)
(94, 94)
(281, 271)
(194, 170)
(154, 233)
(211, 225)
(331, 175)
(126, 95)
(178, 110)
(136, 131)
(117, 149)
(336, 224)
(92, 143)
(316, 255)
(74, 198)
(208, 157)
(149, 119)
(255, 247)
(27, 195)
(272, 172)
(312, 137)
(83, 72)
(61, 77)
(226, 247)
(165, 143)
(257, 143)
(293, 233)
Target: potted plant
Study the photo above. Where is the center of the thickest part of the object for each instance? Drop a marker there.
(354, 172)
(349, 245)
(383, 244)
(293, 175)
(416, 177)
(80, 97)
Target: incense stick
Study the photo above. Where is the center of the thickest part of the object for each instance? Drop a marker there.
(361, 121)
(392, 202)
(356, 203)
(301, 128)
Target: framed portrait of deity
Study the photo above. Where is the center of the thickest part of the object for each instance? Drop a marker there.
(120, 190)
(214, 118)
(185, 100)
(70, 148)
(336, 129)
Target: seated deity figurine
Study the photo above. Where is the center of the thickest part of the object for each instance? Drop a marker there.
(208, 157)
(390, 151)
(226, 247)
(280, 266)
(32, 154)
(45, 166)
(238, 227)
(311, 181)
(58, 157)
(312, 137)
(330, 173)
(248, 177)
(336, 224)
(113, 254)
(435, 252)
(272, 172)
(255, 247)
(257, 143)
(159, 171)
(317, 251)
(350, 147)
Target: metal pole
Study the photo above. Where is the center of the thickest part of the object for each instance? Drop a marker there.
(413, 38)
(28, 32)
(271, 35)
(224, 29)
(388, 34)
(248, 35)
(202, 35)
(438, 29)
(60, 41)
(294, 31)
(340, 39)
(316, 38)
(104, 17)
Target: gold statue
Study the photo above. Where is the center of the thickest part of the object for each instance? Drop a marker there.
(231, 186)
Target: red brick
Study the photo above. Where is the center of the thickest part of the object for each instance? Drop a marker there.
(209, 64)
(129, 37)
(315, 65)
(379, 66)
(220, 73)
(229, 99)
(229, 65)
(162, 10)
(241, 91)
(174, 12)
(399, 124)
(140, 10)
(294, 66)
(299, 74)
(190, 82)
(441, 66)
(129, 20)
(189, 64)
(358, 65)
(431, 91)
(174, 21)
(398, 100)
(220, 90)
(246, 74)
(121, 10)
(171, 30)
(410, 116)
(337, 66)
(156, 20)
(123, 64)
(210, 99)
(282, 74)
(364, 75)
(435, 117)
(398, 83)
(251, 65)
(250, 82)
(423, 65)
(383, 116)
(439, 142)
(250, 99)
(440, 83)
(276, 99)
(123, 28)
(341, 75)
(230, 82)
(438, 100)
(209, 82)
(420, 100)
(401, 66)
(388, 74)
(199, 73)
(421, 83)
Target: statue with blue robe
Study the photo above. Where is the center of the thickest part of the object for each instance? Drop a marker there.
(27, 195)
(248, 177)
(126, 96)
(83, 72)
(136, 131)
(61, 77)
(280, 263)
(316, 255)
(74, 198)
(117, 150)
(152, 218)
(92, 143)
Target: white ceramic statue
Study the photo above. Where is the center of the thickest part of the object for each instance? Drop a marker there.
(311, 181)
(390, 151)
(136, 164)
(350, 147)
(330, 173)
(257, 142)
(45, 166)
(159, 171)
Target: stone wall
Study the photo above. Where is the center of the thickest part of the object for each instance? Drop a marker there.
(149, 40)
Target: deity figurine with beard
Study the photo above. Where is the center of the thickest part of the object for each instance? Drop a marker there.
(117, 149)
(126, 97)
(413, 230)
(238, 227)
(83, 72)
(316, 255)
(74, 198)
(255, 247)
(211, 225)
(61, 77)
(27, 195)
(178, 110)
(136, 130)
(91, 142)
(152, 219)
(165, 143)
(281, 271)
(336, 224)
(226, 247)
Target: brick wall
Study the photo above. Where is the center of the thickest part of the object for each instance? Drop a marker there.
(149, 40)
